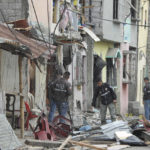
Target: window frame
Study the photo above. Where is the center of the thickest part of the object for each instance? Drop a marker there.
(115, 9)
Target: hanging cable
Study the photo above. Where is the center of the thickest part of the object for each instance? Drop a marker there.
(65, 7)
(49, 30)
(4, 19)
(38, 23)
(120, 22)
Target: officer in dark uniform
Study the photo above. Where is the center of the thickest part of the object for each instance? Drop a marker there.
(61, 90)
(107, 99)
(146, 98)
(58, 75)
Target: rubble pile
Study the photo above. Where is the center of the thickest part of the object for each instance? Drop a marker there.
(90, 134)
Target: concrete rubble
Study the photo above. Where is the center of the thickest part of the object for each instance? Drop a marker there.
(8, 139)
(100, 137)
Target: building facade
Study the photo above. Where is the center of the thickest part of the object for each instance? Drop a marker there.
(142, 49)
(112, 21)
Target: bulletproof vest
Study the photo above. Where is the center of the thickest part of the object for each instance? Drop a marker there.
(60, 90)
(147, 91)
(106, 97)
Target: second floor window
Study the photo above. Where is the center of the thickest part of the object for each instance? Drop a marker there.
(133, 12)
(112, 71)
(115, 9)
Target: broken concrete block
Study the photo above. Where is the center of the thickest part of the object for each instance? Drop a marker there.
(50, 144)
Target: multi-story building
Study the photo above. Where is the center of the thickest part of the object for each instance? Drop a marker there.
(115, 22)
(51, 40)
(142, 49)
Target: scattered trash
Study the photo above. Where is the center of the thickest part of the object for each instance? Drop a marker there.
(125, 137)
(85, 128)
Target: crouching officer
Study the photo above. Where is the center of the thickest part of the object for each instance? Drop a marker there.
(107, 99)
(61, 90)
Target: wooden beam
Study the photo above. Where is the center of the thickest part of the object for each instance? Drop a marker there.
(21, 98)
(86, 145)
(24, 29)
(65, 142)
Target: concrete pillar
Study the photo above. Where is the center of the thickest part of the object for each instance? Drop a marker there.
(90, 43)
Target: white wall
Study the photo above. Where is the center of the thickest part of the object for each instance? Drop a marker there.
(10, 75)
(40, 87)
(41, 11)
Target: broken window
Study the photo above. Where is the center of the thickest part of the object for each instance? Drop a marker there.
(129, 66)
(133, 12)
(132, 65)
(115, 9)
(112, 71)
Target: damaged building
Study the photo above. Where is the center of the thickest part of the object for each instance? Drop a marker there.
(34, 44)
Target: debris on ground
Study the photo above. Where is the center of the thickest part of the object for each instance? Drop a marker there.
(88, 134)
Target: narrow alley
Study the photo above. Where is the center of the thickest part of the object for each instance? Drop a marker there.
(74, 74)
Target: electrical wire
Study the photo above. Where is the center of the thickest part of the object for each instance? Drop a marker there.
(49, 30)
(4, 19)
(65, 7)
(120, 22)
(38, 22)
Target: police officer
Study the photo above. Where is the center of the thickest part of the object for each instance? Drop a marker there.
(146, 98)
(107, 99)
(61, 90)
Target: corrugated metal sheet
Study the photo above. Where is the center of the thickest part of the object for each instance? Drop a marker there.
(110, 129)
(37, 48)
(90, 33)
(8, 139)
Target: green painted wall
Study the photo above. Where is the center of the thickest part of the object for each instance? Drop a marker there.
(101, 49)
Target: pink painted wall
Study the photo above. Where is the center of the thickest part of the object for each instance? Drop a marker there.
(124, 99)
(42, 10)
(123, 87)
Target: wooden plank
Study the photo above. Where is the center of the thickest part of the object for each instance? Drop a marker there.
(49, 144)
(65, 142)
(21, 98)
(24, 29)
(86, 145)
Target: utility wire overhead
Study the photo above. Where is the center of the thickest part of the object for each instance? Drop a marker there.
(119, 22)
(65, 7)
(38, 23)
(13, 33)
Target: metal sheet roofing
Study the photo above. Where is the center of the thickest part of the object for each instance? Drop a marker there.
(17, 39)
(8, 139)
(113, 53)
